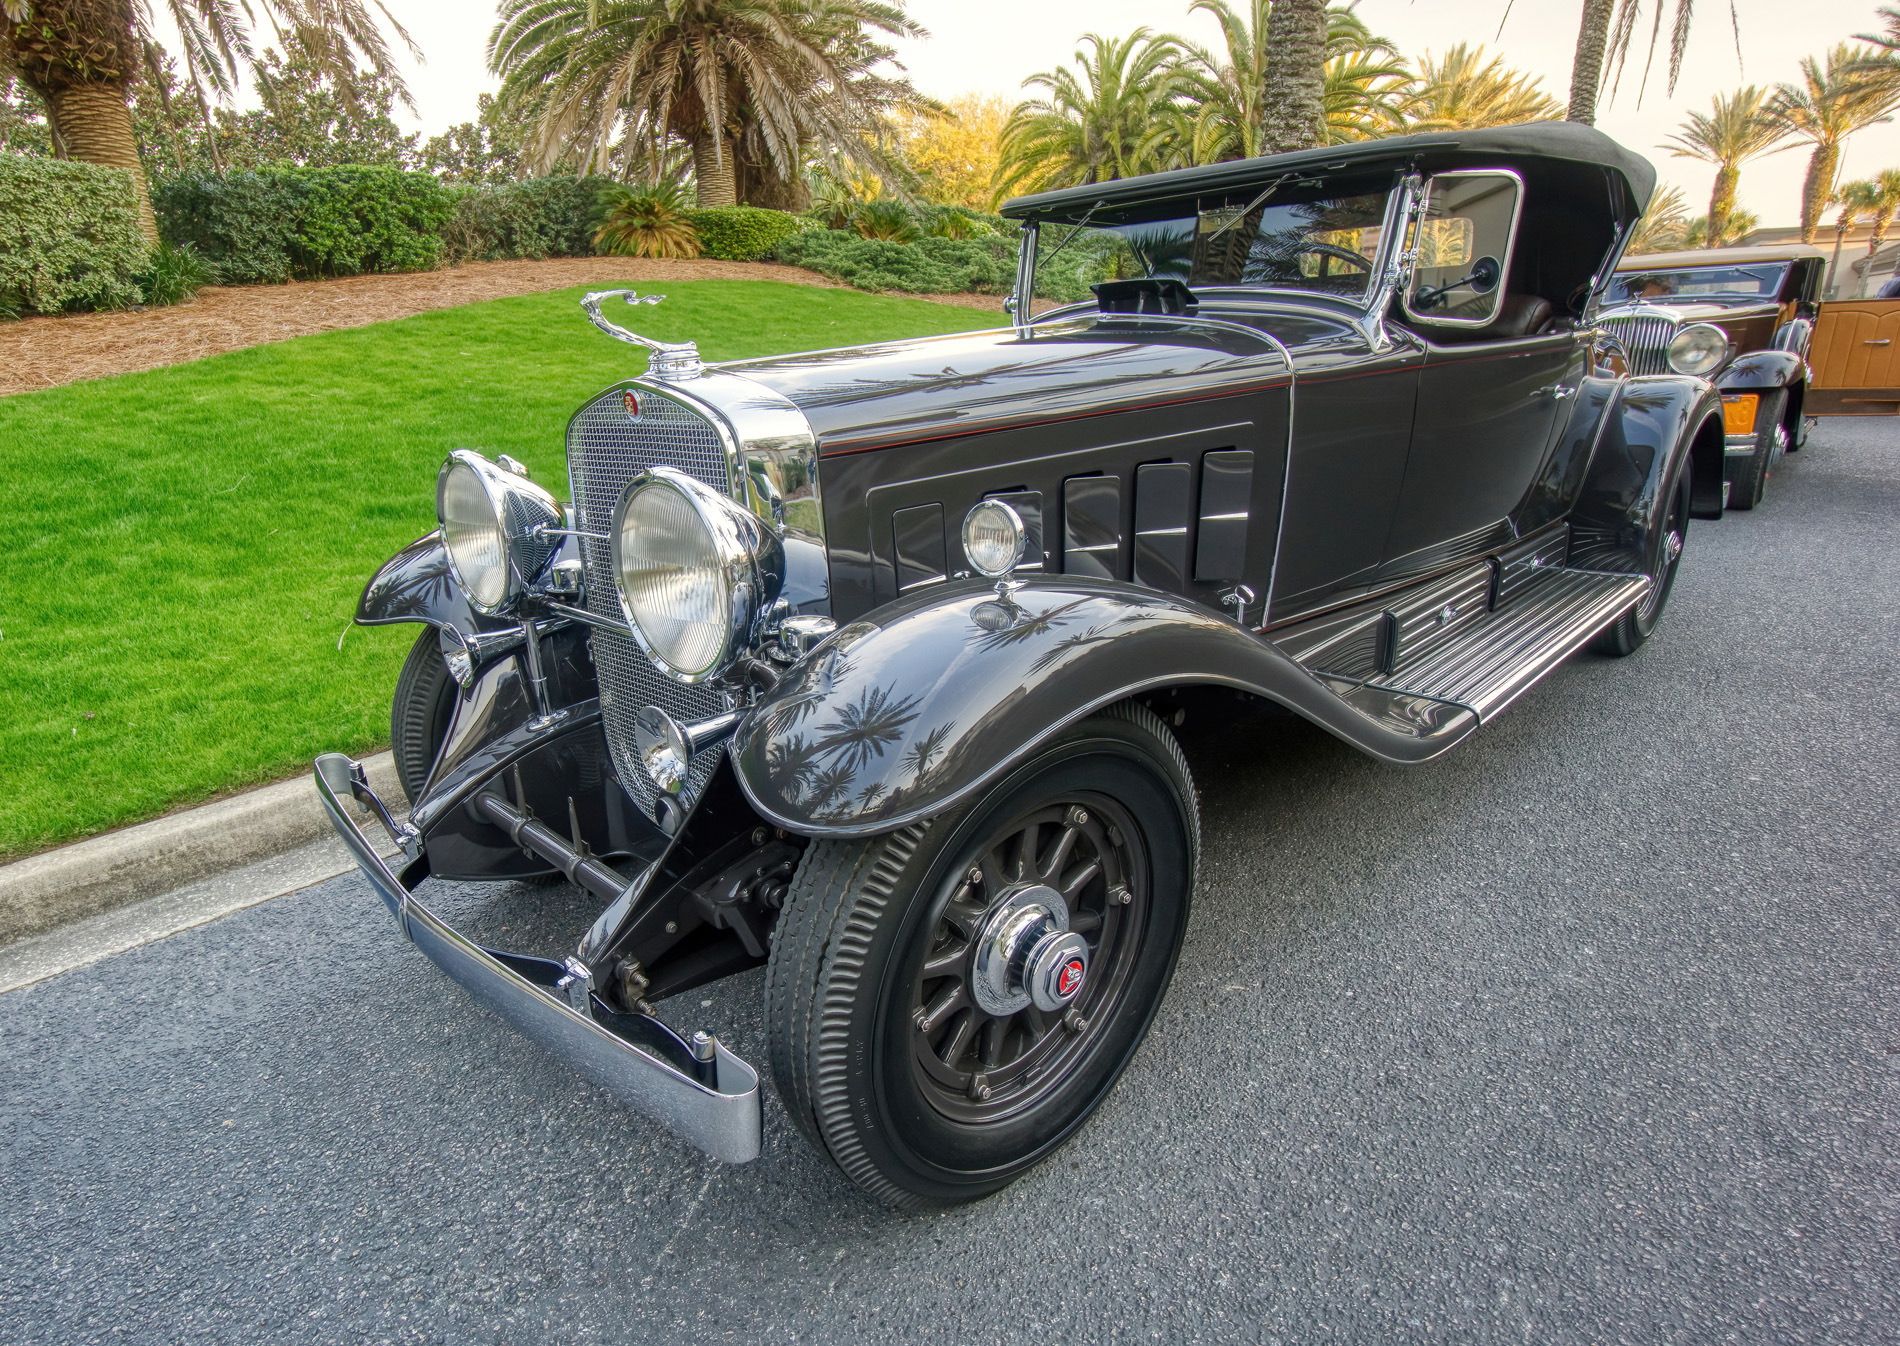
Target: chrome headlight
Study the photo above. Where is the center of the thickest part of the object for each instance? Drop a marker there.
(695, 572)
(489, 519)
(1698, 349)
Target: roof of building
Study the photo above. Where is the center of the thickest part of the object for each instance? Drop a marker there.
(1674, 261)
(1569, 141)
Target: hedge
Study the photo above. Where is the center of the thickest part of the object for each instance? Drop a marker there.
(928, 266)
(271, 224)
(532, 219)
(69, 235)
(743, 233)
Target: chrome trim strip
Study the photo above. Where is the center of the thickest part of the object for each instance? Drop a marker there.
(724, 1119)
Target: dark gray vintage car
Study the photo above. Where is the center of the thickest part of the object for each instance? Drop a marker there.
(1741, 318)
(862, 665)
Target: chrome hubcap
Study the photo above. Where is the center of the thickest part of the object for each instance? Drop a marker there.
(1026, 954)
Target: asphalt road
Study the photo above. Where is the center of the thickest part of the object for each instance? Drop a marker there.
(1588, 1033)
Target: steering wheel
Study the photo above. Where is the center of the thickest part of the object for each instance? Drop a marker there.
(1343, 254)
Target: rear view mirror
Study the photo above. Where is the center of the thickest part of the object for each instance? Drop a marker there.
(1484, 275)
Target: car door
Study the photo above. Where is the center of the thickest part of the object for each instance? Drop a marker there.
(1491, 402)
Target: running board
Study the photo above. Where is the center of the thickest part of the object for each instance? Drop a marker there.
(1491, 658)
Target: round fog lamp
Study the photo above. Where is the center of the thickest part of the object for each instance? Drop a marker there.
(1698, 349)
(993, 538)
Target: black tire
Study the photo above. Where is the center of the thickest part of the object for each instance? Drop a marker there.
(848, 976)
(1771, 441)
(1634, 627)
(419, 715)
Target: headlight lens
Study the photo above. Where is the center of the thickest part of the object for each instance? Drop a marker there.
(687, 569)
(471, 531)
(1698, 349)
(993, 537)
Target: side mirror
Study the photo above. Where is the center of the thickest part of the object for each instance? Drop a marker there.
(1484, 275)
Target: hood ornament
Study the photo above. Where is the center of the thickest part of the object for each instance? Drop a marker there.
(671, 359)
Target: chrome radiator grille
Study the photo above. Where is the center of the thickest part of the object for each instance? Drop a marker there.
(1645, 339)
(605, 447)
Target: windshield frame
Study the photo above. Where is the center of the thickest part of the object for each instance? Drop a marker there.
(1401, 201)
(1623, 278)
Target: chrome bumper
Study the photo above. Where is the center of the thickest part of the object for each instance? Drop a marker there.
(719, 1113)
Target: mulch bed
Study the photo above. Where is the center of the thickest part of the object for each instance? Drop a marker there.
(46, 352)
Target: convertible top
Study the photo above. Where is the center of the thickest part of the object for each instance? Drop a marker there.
(1760, 252)
(1563, 141)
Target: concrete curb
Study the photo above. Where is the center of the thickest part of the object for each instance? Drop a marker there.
(104, 873)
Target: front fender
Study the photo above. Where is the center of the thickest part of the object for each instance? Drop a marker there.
(1763, 370)
(416, 585)
(1655, 424)
(916, 706)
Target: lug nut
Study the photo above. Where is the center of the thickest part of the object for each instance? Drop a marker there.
(672, 927)
(980, 1088)
(976, 874)
(1078, 817)
(1074, 1022)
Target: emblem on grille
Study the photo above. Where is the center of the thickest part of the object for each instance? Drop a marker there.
(631, 401)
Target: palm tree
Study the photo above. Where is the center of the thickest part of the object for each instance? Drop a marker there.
(1885, 198)
(1737, 130)
(1855, 200)
(1099, 121)
(754, 81)
(1831, 102)
(1601, 43)
(1230, 119)
(1460, 91)
(1293, 77)
(1661, 228)
(1737, 225)
(81, 58)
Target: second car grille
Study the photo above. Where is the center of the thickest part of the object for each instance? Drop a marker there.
(606, 444)
(1645, 339)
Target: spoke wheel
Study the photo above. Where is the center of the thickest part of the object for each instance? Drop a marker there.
(1633, 628)
(976, 1066)
(947, 1003)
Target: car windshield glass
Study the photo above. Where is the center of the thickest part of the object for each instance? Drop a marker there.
(1696, 282)
(1305, 236)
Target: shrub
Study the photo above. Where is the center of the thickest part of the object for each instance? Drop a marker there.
(929, 266)
(173, 274)
(743, 233)
(533, 220)
(645, 223)
(272, 223)
(890, 221)
(962, 222)
(69, 235)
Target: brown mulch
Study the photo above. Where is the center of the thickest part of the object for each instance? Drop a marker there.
(46, 352)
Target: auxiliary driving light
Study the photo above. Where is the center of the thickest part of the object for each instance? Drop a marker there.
(993, 538)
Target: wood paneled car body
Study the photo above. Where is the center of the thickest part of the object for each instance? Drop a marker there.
(1741, 317)
(863, 664)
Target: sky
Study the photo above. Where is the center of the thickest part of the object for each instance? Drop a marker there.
(993, 45)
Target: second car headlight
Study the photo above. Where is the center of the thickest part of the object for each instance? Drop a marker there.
(1698, 349)
(490, 516)
(694, 571)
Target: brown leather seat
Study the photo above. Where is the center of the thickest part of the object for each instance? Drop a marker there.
(1520, 315)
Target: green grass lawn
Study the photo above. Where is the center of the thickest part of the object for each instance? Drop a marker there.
(183, 549)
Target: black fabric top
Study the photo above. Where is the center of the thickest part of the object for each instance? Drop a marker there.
(1571, 141)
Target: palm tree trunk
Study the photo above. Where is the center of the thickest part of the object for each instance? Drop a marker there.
(1586, 67)
(1293, 77)
(1722, 203)
(1818, 189)
(94, 126)
(713, 168)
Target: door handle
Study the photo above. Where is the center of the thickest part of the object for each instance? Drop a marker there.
(1884, 341)
(1557, 392)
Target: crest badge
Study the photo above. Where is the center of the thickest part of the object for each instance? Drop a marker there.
(631, 401)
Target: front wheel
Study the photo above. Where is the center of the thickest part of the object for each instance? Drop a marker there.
(947, 1003)
(1771, 441)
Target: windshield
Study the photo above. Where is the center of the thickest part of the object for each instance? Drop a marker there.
(1302, 236)
(1762, 281)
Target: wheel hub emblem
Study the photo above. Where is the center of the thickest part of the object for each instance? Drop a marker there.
(631, 401)
(1070, 979)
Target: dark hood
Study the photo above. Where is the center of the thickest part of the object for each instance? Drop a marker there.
(901, 392)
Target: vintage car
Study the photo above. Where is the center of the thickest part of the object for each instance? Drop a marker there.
(1742, 317)
(863, 665)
